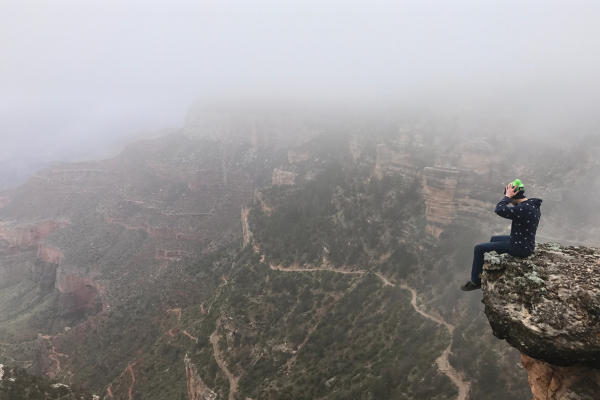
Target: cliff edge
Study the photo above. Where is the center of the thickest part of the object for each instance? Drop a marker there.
(548, 307)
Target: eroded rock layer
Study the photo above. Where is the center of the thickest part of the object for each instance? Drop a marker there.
(549, 382)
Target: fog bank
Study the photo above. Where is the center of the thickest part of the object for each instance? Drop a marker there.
(75, 77)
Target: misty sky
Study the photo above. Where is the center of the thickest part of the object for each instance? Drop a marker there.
(76, 74)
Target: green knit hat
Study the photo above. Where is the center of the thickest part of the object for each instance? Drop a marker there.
(517, 183)
(520, 189)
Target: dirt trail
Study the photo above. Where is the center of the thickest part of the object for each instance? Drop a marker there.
(53, 356)
(130, 369)
(190, 336)
(442, 361)
(455, 376)
(413, 302)
(233, 381)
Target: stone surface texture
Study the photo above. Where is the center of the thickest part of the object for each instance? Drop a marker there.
(548, 307)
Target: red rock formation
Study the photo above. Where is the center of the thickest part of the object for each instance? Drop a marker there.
(28, 236)
(49, 254)
(549, 382)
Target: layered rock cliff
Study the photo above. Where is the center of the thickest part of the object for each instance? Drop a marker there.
(548, 307)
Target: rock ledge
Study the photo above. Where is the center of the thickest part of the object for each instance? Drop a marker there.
(546, 305)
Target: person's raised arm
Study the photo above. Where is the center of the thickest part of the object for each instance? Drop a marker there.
(502, 208)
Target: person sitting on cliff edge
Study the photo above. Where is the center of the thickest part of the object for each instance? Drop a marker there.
(525, 216)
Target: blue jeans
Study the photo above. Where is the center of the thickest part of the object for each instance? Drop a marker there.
(499, 244)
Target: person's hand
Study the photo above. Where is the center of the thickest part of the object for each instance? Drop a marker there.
(511, 190)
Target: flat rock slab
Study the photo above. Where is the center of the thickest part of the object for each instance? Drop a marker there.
(548, 304)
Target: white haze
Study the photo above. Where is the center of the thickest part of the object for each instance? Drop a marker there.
(77, 75)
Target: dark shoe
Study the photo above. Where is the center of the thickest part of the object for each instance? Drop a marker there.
(467, 287)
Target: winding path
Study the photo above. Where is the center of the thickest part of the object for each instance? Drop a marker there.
(130, 369)
(442, 361)
(233, 381)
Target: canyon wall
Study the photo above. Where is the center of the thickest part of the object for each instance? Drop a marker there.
(25, 236)
(20, 250)
(455, 188)
(439, 192)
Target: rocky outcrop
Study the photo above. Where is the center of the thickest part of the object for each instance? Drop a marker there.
(29, 235)
(20, 250)
(49, 254)
(281, 177)
(550, 382)
(548, 307)
(454, 196)
(197, 390)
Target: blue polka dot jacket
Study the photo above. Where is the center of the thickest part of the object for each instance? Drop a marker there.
(525, 220)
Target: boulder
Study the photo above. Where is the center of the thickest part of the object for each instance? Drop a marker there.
(548, 304)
